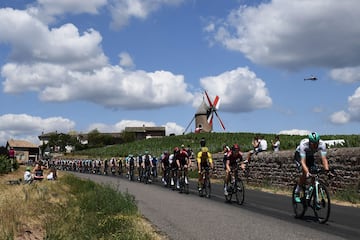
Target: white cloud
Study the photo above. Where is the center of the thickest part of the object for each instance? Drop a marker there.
(354, 105)
(346, 75)
(26, 127)
(114, 87)
(126, 60)
(170, 127)
(48, 10)
(239, 90)
(123, 10)
(294, 34)
(63, 45)
(352, 113)
(119, 126)
(295, 132)
(63, 65)
(340, 117)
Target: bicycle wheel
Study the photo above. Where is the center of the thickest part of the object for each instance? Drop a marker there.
(321, 200)
(299, 207)
(186, 187)
(240, 192)
(229, 195)
(207, 187)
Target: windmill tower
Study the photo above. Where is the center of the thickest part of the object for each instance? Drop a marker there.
(201, 116)
(205, 114)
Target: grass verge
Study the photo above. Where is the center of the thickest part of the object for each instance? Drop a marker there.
(69, 208)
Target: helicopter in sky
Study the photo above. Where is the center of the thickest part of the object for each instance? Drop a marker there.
(311, 78)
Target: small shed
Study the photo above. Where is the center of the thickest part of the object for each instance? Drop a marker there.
(24, 151)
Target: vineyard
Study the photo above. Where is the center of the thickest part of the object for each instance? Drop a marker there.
(214, 141)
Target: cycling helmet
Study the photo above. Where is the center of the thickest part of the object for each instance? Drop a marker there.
(314, 137)
(236, 147)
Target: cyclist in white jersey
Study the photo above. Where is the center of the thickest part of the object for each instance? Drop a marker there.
(304, 158)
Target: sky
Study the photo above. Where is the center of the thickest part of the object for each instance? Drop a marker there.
(109, 64)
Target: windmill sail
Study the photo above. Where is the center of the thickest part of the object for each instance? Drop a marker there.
(213, 107)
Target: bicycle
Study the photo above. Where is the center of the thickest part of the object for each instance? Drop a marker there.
(167, 177)
(184, 187)
(113, 170)
(236, 188)
(173, 177)
(147, 177)
(131, 173)
(314, 195)
(206, 183)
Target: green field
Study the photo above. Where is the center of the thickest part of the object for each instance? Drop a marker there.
(214, 141)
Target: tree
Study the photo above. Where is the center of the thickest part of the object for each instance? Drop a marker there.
(5, 164)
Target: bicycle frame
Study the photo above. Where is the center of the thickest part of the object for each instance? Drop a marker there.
(206, 183)
(181, 177)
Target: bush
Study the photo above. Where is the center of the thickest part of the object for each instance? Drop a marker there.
(5, 164)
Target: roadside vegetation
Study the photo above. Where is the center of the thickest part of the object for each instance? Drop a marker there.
(68, 208)
(214, 141)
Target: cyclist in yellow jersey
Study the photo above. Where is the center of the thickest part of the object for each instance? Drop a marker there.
(204, 160)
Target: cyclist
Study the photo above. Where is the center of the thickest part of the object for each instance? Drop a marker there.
(173, 165)
(154, 166)
(183, 162)
(106, 167)
(304, 158)
(140, 166)
(204, 159)
(130, 165)
(165, 165)
(120, 166)
(113, 165)
(226, 150)
(147, 164)
(233, 157)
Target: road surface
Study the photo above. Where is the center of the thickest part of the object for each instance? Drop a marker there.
(263, 215)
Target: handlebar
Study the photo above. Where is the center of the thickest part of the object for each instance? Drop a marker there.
(317, 170)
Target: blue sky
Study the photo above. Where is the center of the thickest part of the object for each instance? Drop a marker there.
(107, 64)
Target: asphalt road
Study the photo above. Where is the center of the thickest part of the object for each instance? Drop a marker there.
(262, 216)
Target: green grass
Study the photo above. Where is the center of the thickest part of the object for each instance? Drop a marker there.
(348, 195)
(95, 212)
(214, 141)
(69, 208)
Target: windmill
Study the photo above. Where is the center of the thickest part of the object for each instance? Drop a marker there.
(205, 114)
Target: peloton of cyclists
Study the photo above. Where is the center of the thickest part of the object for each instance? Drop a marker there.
(204, 160)
(304, 158)
(232, 160)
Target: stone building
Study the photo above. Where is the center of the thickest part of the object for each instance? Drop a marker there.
(24, 151)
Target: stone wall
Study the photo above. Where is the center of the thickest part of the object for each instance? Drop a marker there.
(278, 169)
